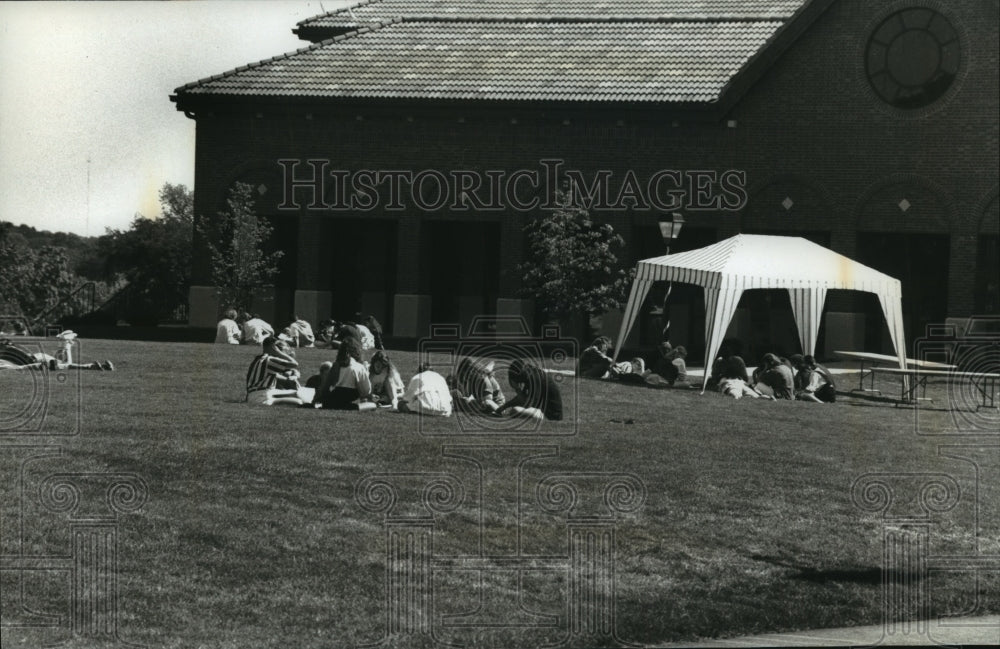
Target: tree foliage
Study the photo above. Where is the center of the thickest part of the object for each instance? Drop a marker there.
(236, 242)
(32, 280)
(154, 257)
(572, 265)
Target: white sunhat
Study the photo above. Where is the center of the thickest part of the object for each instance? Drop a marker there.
(69, 334)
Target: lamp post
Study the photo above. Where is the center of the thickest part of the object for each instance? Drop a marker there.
(670, 228)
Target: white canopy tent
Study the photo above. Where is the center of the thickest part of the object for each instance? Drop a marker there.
(749, 261)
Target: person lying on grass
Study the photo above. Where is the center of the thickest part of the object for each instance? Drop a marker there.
(427, 394)
(347, 386)
(265, 370)
(17, 358)
(732, 378)
(538, 395)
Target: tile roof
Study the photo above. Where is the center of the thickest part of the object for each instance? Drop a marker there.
(368, 12)
(675, 62)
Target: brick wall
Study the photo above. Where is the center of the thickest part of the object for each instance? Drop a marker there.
(811, 130)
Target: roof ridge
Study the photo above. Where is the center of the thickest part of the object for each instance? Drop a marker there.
(374, 26)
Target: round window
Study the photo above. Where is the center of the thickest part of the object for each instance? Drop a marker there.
(913, 58)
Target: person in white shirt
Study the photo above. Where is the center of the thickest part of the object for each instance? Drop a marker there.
(255, 330)
(427, 394)
(227, 332)
(367, 337)
(301, 333)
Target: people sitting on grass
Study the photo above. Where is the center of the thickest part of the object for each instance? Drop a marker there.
(228, 332)
(347, 385)
(264, 372)
(475, 388)
(300, 332)
(255, 330)
(595, 363)
(538, 395)
(813, 382)
(14, 357)
(326, 334)
(375, 327)
(730, 375)
(387, 384)
(427, 394)
(774, 378)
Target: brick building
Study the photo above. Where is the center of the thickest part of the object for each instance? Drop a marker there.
(868, 127)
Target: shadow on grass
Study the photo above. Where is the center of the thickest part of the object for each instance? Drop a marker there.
(863, 576)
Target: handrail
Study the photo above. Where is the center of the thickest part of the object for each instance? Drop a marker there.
(89, 288)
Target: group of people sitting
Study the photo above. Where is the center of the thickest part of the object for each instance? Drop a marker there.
(245, 328)
(797, 377)
(350, 383)
(669, 370)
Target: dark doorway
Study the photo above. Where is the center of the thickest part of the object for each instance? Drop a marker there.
(988, 275)
(920, 263)
(686, 308)
(362, 255)
(464, 262)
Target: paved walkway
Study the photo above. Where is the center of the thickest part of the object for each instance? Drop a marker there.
(951, 631)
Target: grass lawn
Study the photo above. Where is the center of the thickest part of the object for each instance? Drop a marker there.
(252, 536)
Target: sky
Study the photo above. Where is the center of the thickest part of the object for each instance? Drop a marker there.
(92, 80)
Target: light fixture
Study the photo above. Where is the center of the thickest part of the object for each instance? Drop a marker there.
(670, 227)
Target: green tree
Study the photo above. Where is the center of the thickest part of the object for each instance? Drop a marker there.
(240, 266)
(572, 266)
(154, 257)
(32, 280)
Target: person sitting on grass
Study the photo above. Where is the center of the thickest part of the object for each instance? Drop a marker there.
(813, 382)
(538, 396)
(17, 358)
(365, 335)
(326, 334)
(475, 388)
(347, 385)
(677, 370)
(776, 376)
(265, 370)
(387, 384)
(596, 364)
(427, 394)
(376, 329)
(227, 332)
(255, 330)
(732, 378)
(300, 332)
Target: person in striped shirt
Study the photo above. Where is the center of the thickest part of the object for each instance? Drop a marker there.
(265, 369)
